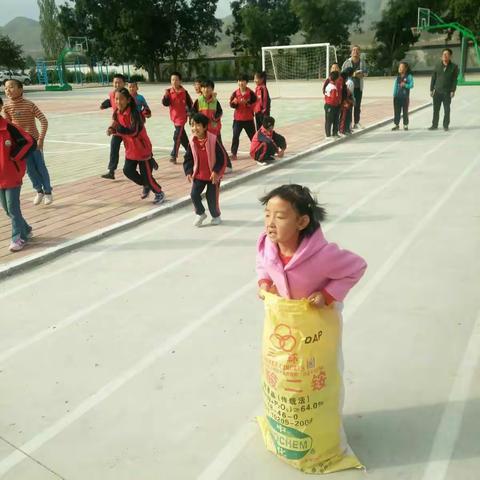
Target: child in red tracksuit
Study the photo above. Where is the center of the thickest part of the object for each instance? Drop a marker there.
(115, 142)
(180, 103)
(333, 99)
(204, 165)
(262, 107)
(129, 125)
(208, 105)
(242, 100)
(266, 143)
(15, 145)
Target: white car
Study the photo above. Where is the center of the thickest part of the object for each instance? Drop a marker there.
(11, 75)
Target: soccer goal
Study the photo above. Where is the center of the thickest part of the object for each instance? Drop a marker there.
(298, 62)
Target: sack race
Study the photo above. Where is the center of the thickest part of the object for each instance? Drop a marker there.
(303, 386)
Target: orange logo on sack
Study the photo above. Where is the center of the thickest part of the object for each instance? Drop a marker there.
(283, 339)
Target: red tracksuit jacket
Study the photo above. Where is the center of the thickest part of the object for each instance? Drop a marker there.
(135, 138)
(15, 144)
(263, 100)
(180, 104)
(244, 104)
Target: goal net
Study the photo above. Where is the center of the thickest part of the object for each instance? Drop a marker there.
(298, 62)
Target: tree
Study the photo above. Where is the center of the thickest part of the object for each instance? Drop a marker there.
(393, 32)
(328, 20)
(196, 15)
(258, 23)
(144, 32)
(466, 12)
(53, 41)
(11, 54)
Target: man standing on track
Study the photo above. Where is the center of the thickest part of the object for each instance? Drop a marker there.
(442, 88)
(360, 70)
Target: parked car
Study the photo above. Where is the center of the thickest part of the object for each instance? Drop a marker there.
(12, 75)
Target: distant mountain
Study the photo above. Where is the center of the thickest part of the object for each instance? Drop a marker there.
(25, 32)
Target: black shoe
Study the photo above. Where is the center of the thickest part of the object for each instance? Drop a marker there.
(159, 198)
(446, 129)
(109, 175)
(173, 160)
(396, 127)
(433, 128)
(145, 193)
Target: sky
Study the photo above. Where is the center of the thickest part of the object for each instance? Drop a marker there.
(29, 8)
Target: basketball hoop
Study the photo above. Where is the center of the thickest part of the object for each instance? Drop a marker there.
(78, 44)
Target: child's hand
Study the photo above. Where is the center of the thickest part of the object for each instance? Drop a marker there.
(281, 152)
(147, 113)
(266, 287)
(214, 177)
(110, 131)
(189, 178)
(317, 299)
(40, 144)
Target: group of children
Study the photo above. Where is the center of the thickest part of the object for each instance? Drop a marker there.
(206, 159)
(338, 90)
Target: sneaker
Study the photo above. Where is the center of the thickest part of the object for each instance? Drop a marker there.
(395, 128)
(173, 160)
(234, 157)
(48, 199)
(446, 129)
(159, 198)
(109, 175)
(199, 220)
(38, 198)
(262, 164)
(216, 221)
(17, 245)
(405, 127)
(433, 128)
(145, 193)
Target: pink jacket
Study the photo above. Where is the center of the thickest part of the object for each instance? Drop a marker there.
(317, 265)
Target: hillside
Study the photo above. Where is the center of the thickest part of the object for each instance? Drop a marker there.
(25, 32)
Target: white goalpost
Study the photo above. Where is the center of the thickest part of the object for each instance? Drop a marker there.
(298, 62)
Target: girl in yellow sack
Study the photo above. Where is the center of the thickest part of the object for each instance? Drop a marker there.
(301, 279)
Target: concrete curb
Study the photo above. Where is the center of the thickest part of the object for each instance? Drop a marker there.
(53, 252)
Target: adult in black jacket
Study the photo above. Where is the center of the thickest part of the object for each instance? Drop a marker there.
(442, 88)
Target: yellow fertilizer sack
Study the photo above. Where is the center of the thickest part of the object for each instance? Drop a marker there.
(303, 386)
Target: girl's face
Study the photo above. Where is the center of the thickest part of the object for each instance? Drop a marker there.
(283, 224)
(199, 130)
(242, 84)
(402, 69)
(335, 68)
(133, 88)
(12, 90)
(258, 80)
(198, 88)
(121, 101)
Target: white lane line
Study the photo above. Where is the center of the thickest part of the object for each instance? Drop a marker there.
(79, 143)
(62, 115)
(449, 427)
(63, 152)
(220, 463)
(36, 442)
(240, 439)
(238, 191)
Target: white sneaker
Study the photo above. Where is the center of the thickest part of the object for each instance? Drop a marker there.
(199, 220)
(38, 198)
(262, 164)
(48, 199)
(216, 221)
